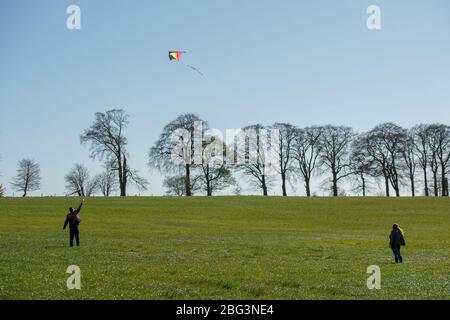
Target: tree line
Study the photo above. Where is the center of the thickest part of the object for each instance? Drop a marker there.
(196, 160)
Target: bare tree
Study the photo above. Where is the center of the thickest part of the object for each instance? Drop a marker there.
(133, 176)
(439, 141)
(385, 144)
(443, 154)
(394, 138)
(92, 186)
(255, 143)
(306, 150)
(410, 159)
(237, 191)
(216, 178)
(107, 181)
(378, 154)
(361, 164)
(422, 149)
(334, 156)
(28, 177)
(106, 136)
(175, 185)
(216, 174)
(77, 179)
(434, 166)
(176, 144)
(283, 148)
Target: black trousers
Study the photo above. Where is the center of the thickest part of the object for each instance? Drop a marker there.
(396, 251)
(74, 232)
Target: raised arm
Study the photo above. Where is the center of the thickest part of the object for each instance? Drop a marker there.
(79, 207)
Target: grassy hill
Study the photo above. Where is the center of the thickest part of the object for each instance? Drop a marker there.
(225, 248)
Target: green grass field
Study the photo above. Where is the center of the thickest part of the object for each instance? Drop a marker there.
(225, 248)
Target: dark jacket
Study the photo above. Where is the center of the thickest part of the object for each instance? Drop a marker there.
(396, 238)
(72, 218)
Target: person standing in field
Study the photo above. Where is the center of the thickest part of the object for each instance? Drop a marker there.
(74, 221)
(396, 240)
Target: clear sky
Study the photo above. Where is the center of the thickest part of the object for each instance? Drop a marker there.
(304, 62)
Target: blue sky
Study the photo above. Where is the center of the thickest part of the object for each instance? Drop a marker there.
(304, 62)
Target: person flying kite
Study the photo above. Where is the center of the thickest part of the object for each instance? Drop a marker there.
(176, 55)
(73, 220)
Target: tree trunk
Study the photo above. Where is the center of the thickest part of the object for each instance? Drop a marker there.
(121, 172)
(123, 190)
(283, 183)
(444, 188)
(308, 189)
(386, 183)
(335, 188)
(123, 184)
(425, 179)
(26, 188)
(124, 176)
(411, 178)
(395, 181)
(435, 180)
(187, 180)
(363, 185)
(264, 186)
(208, 188)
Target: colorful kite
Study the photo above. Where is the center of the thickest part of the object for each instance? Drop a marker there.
(176, 55)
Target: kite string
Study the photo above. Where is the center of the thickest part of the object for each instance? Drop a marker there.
(192, 67)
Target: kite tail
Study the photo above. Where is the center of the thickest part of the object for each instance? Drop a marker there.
(193, 68)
